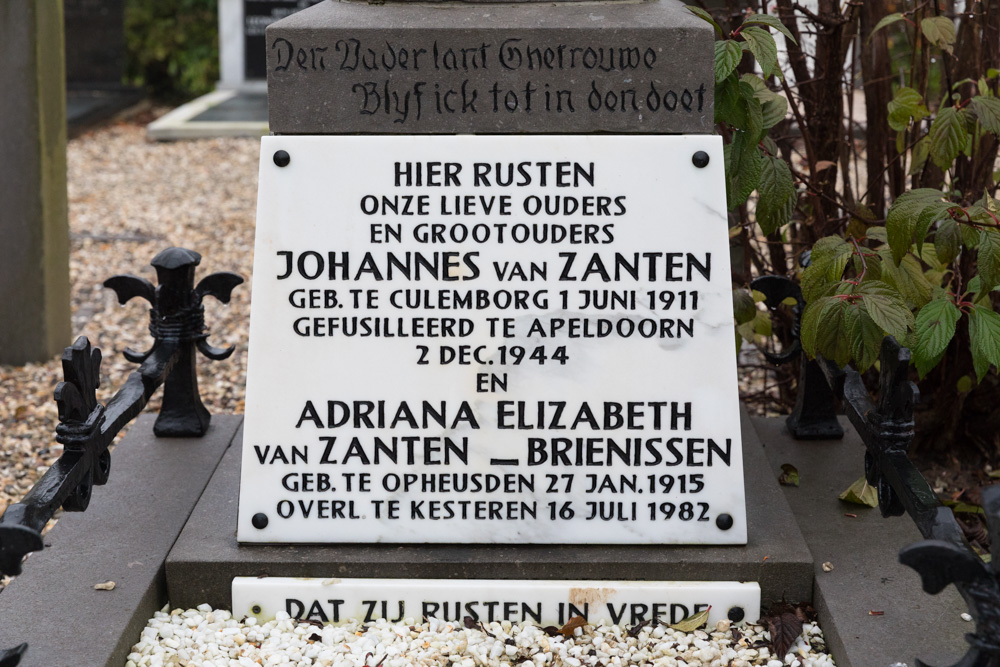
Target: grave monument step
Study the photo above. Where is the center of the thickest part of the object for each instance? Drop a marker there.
(863, 549)
(135, 519)
(206, 557)
(124, 537)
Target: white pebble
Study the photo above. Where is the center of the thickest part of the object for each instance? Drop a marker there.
(213, 638)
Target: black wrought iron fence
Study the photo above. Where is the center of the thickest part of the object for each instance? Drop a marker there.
(86, 427)
(944, 557)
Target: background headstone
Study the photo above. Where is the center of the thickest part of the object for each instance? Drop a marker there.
(34, 229)
(95, 63)
(242, 49)
(95, 41)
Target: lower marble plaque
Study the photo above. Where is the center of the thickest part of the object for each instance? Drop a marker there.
(542, 602)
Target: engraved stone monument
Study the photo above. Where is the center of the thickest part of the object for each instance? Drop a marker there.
(491, 333)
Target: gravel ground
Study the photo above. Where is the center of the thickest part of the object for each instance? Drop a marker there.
(129, 199)
(204, 637)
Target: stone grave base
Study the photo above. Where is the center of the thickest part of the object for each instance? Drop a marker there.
(163, 528)
(221, 113)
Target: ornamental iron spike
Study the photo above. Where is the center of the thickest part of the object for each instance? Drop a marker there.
(86, 427)
(177, 322)
(813, 417)
(11, 657)
(886, 428)
(940, 563)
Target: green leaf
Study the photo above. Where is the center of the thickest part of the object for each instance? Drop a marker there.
(744, 162)
(987, 110)
(773, 106)
(989, 258)
(984, 333)
(789, 475)
(764, 50)
(693, 622)
(886, 20)
(939, 31)
(980, 363)
(774, 111)
(935, 327)
(744, 308)
(947, 136)
(776, 195)
(921, 151)
(812, 316)
(885, 306)
(934, 212)
(762, 323)
(907, 103)
(970, 236)
(755, 115)
(907, 279)
(860, 493)
(878, 234)
(730, 107)
(964, 385)
(866, 339)
(947, 241)
(727, 58)
(770, 21)
(705, 16)
(828, 259)
(902, 218)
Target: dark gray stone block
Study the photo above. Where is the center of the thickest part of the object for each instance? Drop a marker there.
(864, 551)
(123, 537)
(408, 68)
(206, 557)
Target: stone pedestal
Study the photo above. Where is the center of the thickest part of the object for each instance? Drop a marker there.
(453, 68)
(206, 557)
(34, 232)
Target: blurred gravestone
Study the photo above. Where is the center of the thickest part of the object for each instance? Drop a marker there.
(95, 62)
(34, 251)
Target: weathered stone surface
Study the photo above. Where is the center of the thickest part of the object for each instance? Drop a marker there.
(354, 67)
(864, 552)
(34, 227)
(123, 537)
(206, 557)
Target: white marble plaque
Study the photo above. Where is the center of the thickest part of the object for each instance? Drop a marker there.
(542, 602)
(492, 340)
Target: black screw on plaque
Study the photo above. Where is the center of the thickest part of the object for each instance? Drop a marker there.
(282, 158)
(699, 159)
(259, 522)
(724, 521)
(736, 614)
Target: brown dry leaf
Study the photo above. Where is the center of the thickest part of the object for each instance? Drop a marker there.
(571, 625)
(784, 623)
(106, 586)
(785, 628)
(824, 164)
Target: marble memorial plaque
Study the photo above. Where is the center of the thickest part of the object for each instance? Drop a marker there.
(541, 602)
(492, 340)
